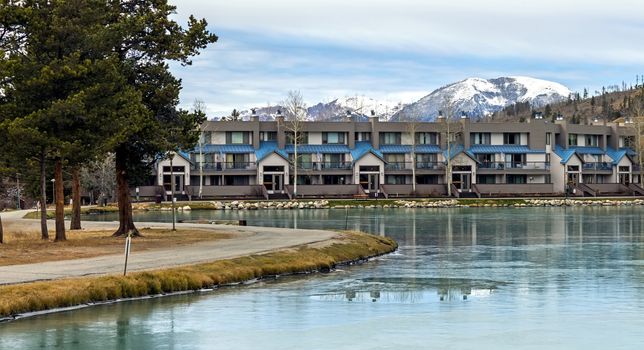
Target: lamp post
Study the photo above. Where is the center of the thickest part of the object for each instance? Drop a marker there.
(174, 213)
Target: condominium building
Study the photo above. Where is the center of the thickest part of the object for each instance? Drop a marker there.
(372, 158)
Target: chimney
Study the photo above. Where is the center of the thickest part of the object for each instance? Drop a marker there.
(440, 115)
(254, 117)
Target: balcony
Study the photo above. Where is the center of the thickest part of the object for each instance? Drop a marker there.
(324, 165)
(336, 165)
(398, 166)
(597, 166)
(430, 165)
(515, 165)
(222, 166)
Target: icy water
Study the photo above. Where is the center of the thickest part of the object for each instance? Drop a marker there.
(531, 278)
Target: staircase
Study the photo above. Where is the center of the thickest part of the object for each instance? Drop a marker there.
(637, 190)
(273, 196)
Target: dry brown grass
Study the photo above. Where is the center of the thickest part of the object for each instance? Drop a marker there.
(36, 296)
(23, 247)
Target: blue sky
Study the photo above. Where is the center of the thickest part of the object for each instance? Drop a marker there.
(402, 50)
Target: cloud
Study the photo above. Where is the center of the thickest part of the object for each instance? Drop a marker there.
(398, 49)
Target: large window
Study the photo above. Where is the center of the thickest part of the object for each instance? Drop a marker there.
(363, 136)
(517, 179)
(206, 137)
(427, 138)
(511, 138)
(333, 137)
(395, 179)
(480, 138)
(267, 135)
(572, 139)
(238, 137)
(390, 138)
(302, 138)
(485, 158)
(395, 158)
(592, 140)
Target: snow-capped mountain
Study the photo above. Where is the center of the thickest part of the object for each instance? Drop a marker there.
(360, 108)
(480, 97)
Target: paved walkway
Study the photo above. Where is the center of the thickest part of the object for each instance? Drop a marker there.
(246, 240)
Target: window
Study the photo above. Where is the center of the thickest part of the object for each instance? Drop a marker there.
(572, 139)
(548, 138)
(363, 136)
(395, 158)
(238, 137)
(592, 140)
(304, 160)
(333, 137)
(395, 179)
(303, 138)
(206, 137)
(480, 138)
(176, 169)
(627, 141)
(390, 138)
(330, 158)
(573, 168)
(485, 158)
(486, 179)
(515, 160)
(511, 138)
(517, 179)
(267, 135)
(426, 138)
(237, 161)
(426, 158)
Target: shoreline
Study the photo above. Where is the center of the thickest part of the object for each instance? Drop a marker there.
(360, 203)
(22, 300)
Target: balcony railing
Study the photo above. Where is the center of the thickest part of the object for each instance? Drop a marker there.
(335, 165)
(398, 166)
(323, 165)
(597, 166)
(220, 166)
(430, 165)
(515, 165)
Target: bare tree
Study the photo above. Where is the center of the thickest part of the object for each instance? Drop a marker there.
(99, 178)
(412, 129)
(199, 106)
(449, 130)
(637, 125)
(295, 116)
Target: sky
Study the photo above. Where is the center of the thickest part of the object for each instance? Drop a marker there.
(401, 50)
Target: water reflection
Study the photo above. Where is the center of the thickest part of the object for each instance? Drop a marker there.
(492, 278)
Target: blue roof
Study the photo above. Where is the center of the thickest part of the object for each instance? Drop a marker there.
(507, 149)
(327, 148)
(407, 149)
(456, 150)
(617, 154)
(564, 154)
(185, 155)
(364, 147)
(629, 151)
(267, 148)
(210, 148)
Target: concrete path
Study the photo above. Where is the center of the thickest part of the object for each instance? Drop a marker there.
(246, 240)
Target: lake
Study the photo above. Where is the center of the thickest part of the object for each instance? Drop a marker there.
(463, 278)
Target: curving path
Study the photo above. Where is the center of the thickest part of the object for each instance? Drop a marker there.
(246, 240)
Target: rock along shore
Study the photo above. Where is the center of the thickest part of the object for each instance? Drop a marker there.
(446, 203)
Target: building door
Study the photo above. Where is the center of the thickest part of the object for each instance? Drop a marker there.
(274, 182)
(624, 178)
(370, 182)
(573, 178)
(462, 181)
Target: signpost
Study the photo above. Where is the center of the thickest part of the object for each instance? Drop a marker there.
(128, 244)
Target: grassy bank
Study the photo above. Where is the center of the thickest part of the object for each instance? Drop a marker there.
(38, 296)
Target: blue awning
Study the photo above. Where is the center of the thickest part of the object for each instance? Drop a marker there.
(313, 149)
(407, 149)
(225, 149)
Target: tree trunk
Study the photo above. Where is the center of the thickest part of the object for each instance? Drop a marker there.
(1, 232)
(126, 222)
(44, 234)
(76, 200)
(60, 201)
